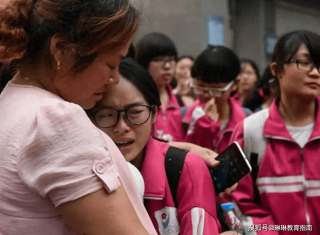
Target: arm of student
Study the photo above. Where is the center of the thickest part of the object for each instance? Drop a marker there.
(196, 199)
(244, 194)
(102, 213)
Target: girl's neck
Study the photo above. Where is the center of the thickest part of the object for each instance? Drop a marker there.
(266, 104)
(243, 94)
(138, 161)
(297, 112)
(164, 96)
(224, 112)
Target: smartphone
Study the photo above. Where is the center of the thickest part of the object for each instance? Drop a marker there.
(233, 167)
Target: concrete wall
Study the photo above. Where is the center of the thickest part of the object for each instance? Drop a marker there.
(250, 31)
(185, 21)
(291, 17)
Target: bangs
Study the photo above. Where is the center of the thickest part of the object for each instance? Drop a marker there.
(153, 45)
(290, 43)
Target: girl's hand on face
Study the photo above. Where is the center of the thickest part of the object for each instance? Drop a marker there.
(211, 110)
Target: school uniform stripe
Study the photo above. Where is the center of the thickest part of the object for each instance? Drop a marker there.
(280, 180)
(197, 218)
(280, 188)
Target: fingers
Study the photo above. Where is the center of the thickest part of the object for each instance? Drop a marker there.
(211, 110)
(228, 191)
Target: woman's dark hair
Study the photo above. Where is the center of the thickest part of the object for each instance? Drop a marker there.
(216, 64)
(253, 65)
(153, 45)
(88, 27)
(140, 77)
(131, 52)
(254, 99)
(7, 71)
(288, 45)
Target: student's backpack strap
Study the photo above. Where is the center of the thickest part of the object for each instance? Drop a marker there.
(180, 101)
(174, 161)
(254, 148)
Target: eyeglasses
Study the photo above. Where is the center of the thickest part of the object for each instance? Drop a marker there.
(163, 60)
(305, 65)
(215, 92)
(108, 117)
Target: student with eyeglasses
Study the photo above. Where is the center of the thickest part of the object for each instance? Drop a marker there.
(126, 114)
(214, 115)
(283, 142)
(157, 53)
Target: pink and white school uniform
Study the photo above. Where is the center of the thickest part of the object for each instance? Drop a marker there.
(196, 213)
(288, 180)
(168, 125)
(207, 133)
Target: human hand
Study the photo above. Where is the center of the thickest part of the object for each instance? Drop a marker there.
(211, 110)
(209, 157)
(230, 233)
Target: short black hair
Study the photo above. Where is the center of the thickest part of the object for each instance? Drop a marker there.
(288, 45)
(140, 77)
(216, 64)
(153, 45)
(253, 65)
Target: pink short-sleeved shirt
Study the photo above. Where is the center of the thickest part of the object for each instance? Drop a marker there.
(50, 154)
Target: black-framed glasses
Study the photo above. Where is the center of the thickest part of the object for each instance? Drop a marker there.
(305, 65)
(162, 60)
(109, 117)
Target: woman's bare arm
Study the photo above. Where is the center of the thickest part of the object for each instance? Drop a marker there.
(101, 213)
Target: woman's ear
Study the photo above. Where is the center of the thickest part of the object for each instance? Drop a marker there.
(154, 114)
(60, 53)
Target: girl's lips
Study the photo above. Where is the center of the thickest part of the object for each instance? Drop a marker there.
(313, 85)
(98, 96)
(123, 146)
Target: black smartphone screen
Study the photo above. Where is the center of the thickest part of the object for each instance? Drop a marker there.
(233, 167)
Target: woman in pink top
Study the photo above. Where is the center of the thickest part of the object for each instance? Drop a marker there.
(59, 173)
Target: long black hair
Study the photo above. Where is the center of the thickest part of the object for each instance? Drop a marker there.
(254, 100)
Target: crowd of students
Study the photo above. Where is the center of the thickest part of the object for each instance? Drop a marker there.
(87, 135)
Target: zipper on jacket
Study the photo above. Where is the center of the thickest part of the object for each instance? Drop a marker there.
(164, 117)
(304, 178)
(216, 145)
(305, 189)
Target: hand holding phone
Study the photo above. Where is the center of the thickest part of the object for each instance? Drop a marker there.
(233, 167)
